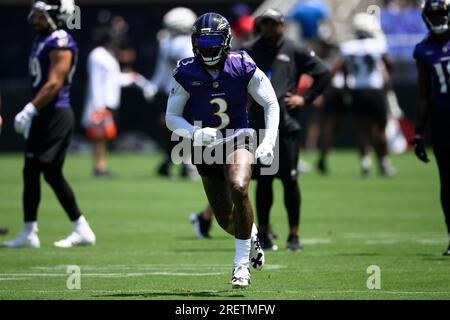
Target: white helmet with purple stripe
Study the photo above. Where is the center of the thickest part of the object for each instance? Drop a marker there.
(57, 12)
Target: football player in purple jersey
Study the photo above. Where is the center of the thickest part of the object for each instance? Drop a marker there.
(433, 65)
(216, 83)
(47, 121)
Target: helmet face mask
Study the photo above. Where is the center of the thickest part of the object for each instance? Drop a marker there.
(209, 47)
(211, 38)
(436, 14)
(41, 6)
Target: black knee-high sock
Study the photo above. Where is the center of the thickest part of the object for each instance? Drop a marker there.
(31, 190)
(443, 161)
(264, 200)
(292, 200)
(54, 177)
(445, 201)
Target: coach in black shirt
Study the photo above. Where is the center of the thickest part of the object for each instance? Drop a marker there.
(283, 61)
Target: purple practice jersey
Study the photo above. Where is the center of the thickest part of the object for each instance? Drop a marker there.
(40, 64)
(436, 57)
(222, 102)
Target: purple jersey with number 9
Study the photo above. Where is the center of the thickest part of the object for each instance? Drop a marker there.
(436, 57)
(40, 64)
(222, 102)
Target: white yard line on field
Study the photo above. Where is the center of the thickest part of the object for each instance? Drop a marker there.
(113, 271)
(149, 267)
(175, 291)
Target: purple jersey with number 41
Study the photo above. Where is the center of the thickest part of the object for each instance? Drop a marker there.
(436, 57)
(40, 64)
(221, 102)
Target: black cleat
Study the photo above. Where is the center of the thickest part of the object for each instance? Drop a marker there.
(163, 170)
(365, 172)
(272, 234)
(102, 174)
(447, 253)
(293, 243)
(202, 226)
(3, 231)
(266, 242)
(184, 172)
(322, 167)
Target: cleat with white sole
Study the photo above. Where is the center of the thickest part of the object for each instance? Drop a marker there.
(25, 239)
(241, 277)
(256, 257)
(447, 253)
(81, 236)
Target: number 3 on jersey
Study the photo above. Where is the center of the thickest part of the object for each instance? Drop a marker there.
(443, 75)
(223, 106)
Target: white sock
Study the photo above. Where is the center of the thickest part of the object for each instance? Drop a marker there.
(366, 162)
(385, 161)
(80, 222)
(242, 252)
(30, 227)
(254, 231)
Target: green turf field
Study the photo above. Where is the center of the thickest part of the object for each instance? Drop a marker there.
(146, 248)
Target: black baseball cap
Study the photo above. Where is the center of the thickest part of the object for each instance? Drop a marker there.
(272, 14)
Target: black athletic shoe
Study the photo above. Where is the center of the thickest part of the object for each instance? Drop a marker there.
(201, 225)
(365, 172)
(3, 231)
(447, 253)
(266, 242)
(293, 243)
(102, 174)
(163, 170)
(273, 234)
(322, 167)
(184, 171)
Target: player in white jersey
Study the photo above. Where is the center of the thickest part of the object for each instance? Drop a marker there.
(334, 109)
(174, 45)
(365, 64)
(105, 82)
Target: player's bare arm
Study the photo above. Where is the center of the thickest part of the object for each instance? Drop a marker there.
(60, 65)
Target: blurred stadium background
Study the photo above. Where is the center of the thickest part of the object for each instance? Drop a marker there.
(137, 121)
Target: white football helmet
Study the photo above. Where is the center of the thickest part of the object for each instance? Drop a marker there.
(179, 20)
(56, 11)
(367, 24)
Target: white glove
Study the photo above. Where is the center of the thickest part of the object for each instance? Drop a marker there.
(23, 120)
(204, 136)
(149, 89)
(265, 153)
